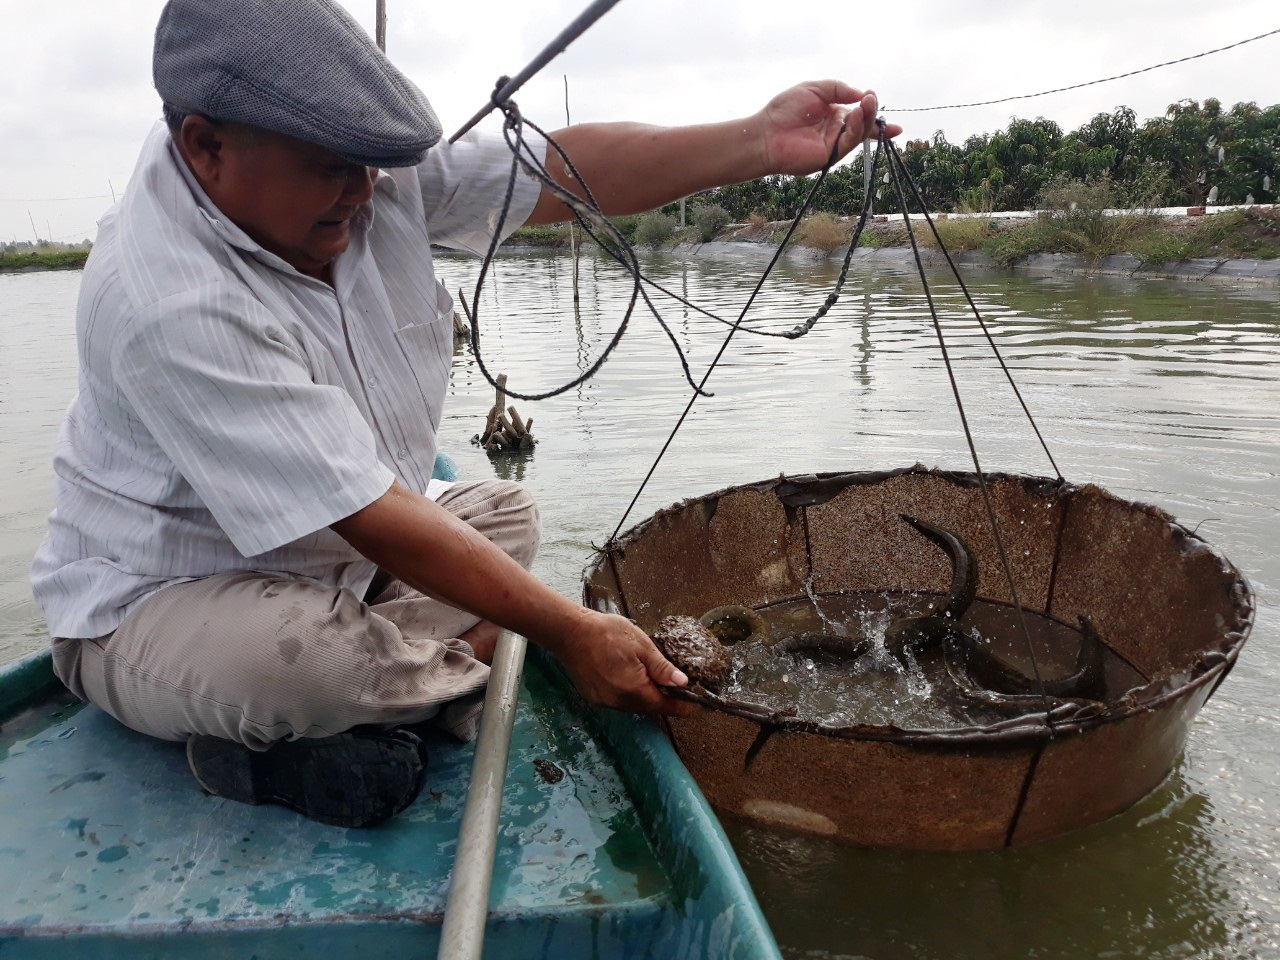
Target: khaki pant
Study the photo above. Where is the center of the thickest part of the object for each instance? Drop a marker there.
(256, 658)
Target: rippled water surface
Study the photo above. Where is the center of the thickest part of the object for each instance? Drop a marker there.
(1166, 393)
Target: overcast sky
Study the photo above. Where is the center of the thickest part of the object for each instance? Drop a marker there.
(78, 99)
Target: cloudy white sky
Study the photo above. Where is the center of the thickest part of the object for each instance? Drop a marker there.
(77, 97)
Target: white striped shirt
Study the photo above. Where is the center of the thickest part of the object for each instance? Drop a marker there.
(230, 408)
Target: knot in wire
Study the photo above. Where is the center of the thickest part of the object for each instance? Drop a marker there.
(497, 89)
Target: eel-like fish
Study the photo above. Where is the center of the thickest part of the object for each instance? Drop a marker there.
(979, 675)
(918, 631)
(929, 629)
(1087, 681)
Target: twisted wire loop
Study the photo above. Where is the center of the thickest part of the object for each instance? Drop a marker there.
(588, 214)
(585, 212)
(898, 172)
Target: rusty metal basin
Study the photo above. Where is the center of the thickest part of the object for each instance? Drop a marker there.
(1172, 611)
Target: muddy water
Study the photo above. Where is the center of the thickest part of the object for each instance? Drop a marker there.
(1167, 393)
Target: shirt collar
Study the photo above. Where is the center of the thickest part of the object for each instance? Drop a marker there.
(387, 184)
(217, 220)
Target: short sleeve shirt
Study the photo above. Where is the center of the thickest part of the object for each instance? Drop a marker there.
(231, 408)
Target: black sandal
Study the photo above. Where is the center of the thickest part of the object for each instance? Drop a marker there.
(354, 779)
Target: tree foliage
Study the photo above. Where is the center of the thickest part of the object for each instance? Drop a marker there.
(1196, 153)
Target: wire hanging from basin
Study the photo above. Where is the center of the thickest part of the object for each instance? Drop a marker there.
(588, 213)
(898, 172)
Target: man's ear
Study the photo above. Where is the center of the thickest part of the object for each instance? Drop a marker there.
(201, 142)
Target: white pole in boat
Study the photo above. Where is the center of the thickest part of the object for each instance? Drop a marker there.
(462, 937)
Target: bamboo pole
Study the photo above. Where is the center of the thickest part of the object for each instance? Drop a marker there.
(381, 29)
(504, 429)
(566, 36)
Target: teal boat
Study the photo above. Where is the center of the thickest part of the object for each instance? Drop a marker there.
(606, 847)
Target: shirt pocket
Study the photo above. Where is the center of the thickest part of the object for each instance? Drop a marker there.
(427, 352)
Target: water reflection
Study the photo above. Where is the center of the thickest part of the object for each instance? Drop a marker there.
(1151, 883)
(510, 465)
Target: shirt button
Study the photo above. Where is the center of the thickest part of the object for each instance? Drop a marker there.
(373, 381)
(403, 453)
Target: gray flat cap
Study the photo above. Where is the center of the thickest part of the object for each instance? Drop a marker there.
(300, 67)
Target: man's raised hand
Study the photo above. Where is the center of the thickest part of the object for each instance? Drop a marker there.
(798, 127)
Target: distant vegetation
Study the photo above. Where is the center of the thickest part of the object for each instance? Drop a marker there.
(655, 229)
(1073, 219)
(1196, 153)
(47, 259)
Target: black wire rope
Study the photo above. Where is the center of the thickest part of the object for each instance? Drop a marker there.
(831, 299)
(978, 315)
(586, 212)
(898, 171)
(799, 330)
(1088, 83)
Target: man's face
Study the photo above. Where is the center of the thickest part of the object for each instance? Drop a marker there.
(292, 197)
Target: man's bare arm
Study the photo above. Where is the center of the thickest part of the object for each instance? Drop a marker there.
(632, 166)
(611, 661)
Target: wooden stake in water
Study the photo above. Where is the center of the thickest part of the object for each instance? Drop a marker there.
(381, 28)
(504, 428)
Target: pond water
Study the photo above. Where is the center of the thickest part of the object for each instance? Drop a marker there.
(1159, 392)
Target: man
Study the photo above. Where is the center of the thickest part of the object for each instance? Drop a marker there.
(247, 552)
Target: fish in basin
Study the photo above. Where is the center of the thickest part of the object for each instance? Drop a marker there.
(916, 632)
(978, 676)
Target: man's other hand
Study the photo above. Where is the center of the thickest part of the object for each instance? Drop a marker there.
(614, 664)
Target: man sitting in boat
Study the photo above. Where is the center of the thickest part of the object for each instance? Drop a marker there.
(247, 551)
